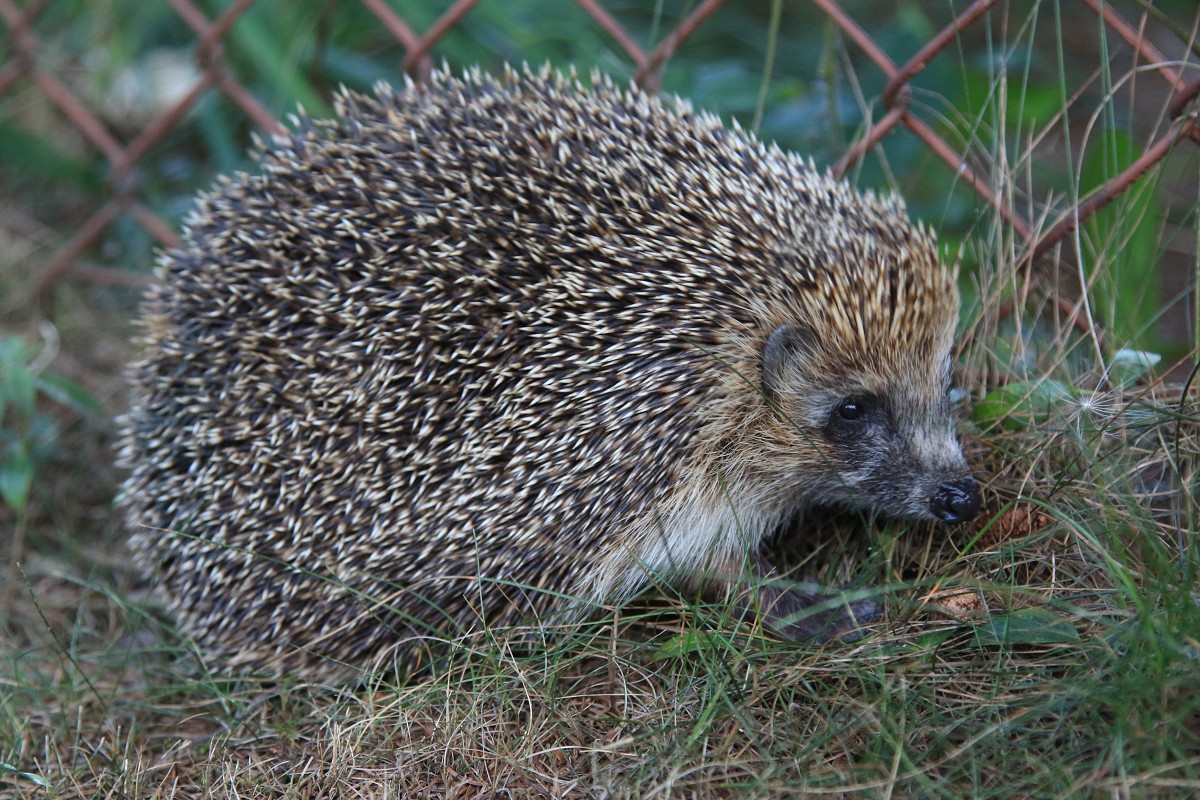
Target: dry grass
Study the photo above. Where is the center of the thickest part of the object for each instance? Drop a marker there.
(100, 699)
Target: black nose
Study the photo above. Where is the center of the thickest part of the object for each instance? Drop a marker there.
(955, 501)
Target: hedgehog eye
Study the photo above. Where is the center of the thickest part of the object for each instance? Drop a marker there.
(850, 409)
(851, 413)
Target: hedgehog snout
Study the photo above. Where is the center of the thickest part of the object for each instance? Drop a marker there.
(955, 501)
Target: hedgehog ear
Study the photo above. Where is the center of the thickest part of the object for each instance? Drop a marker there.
(785, 349)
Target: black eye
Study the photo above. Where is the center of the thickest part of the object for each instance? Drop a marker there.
(851, 409)
(852, 416)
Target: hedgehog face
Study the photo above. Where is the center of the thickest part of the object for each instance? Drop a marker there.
(865, 439)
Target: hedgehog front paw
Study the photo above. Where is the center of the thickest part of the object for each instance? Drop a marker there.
(805, 611)
(817, 615)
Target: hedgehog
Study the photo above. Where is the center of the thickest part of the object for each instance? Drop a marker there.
(495, 350)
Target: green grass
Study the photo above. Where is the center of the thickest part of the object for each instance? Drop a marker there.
(1052, 650)
(104, 701)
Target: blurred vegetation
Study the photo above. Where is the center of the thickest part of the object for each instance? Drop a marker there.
(792, 78)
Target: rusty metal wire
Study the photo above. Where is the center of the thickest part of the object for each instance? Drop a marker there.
(20, 50)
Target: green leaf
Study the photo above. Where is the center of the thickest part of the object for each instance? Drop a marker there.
(12, 351)
(1025, 626)
(1021, 405)
(16, 477)
(923, 643)
(37, 779)
(18, 385)
(933, 639)
(1128, 365)
(70, 393)
(691, 642)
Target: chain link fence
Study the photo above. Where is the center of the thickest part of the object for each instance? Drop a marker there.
(23, 63)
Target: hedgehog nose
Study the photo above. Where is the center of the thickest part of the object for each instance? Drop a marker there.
(955, 501)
